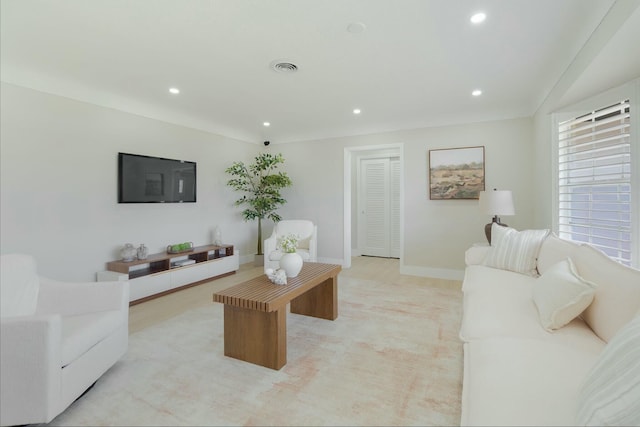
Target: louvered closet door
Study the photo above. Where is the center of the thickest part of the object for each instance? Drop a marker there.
(380, 213)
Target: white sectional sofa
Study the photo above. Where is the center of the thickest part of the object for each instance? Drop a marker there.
(533, 355)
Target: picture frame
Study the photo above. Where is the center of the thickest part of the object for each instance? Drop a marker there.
(456, 173)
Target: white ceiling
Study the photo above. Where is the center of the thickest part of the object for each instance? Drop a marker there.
(415, 65)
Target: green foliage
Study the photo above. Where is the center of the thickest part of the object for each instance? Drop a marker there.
(260, 185)
(288, 243)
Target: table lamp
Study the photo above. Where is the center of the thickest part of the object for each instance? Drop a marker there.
(496, 203)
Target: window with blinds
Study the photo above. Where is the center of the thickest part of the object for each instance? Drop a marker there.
(594, 180)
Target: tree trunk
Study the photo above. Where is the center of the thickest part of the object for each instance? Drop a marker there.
(259, 237)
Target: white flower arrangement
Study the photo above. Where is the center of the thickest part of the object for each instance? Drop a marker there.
(288, 243)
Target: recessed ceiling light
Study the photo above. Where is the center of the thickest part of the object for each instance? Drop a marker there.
(476, 92)
(266, 124)
(356, 111)
(174, 90)
(478, 17)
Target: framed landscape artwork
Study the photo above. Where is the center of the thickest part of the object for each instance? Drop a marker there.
(456, 173)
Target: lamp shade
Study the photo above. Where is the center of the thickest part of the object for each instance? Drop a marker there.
(496, 202)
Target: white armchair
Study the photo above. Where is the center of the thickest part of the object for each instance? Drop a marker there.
(307, 244)
(57, 339)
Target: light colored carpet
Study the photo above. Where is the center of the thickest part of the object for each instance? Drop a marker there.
(392, 357)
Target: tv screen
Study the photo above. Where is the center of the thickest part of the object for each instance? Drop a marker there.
(146, 179)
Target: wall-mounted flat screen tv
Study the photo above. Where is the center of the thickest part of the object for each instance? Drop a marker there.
(146, 179)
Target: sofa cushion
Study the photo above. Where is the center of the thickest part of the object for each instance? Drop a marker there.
(81, 332)
(553, 250)
(499, 303)
(19, 285)
(515, 250)
(560, 295)
(610, 394)
(617, 298)
(519, 381)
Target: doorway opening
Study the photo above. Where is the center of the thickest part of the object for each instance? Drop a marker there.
(389, 213)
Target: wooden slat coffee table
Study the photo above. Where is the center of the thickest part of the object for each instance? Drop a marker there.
(255, 312)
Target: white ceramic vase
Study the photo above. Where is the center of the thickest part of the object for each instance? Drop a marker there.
(217, 236)
(143, 251)
(291, 263)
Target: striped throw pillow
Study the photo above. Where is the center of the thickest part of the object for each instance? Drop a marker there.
(610, 395)
(515, 250)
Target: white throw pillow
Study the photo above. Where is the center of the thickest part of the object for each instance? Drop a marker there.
(610, 394)
(515, 250)
(19, 285)
(560, 295)
(303, 243)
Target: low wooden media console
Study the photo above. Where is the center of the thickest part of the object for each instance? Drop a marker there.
(255, 312)
(158, 274)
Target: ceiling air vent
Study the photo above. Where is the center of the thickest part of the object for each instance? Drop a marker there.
(284, 67)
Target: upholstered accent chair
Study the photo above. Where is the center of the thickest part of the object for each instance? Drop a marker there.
(57, 339)
(307, 244)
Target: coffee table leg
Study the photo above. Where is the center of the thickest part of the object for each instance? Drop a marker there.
(320, 301)
(256, 336)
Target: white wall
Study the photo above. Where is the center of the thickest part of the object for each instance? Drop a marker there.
(436, 232)
(59, 184)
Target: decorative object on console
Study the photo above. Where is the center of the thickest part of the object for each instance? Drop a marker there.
(182, 263)
(496, 203)
(261, 187)
(180, 247)
(217, 236)
(128, 252)
(279, 276)
(143, 251)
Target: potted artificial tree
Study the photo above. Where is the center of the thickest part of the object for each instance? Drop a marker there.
(261, 185)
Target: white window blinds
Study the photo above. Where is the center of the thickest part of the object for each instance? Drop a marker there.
(594, 180)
